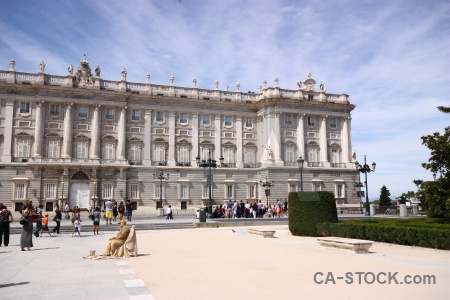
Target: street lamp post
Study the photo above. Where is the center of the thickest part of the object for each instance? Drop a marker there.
(95, 198)
(366, 169)
(210, 164)
(266, 185)
(300, 162)
(161, 177)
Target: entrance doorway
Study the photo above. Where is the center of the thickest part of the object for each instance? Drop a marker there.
(79, 195)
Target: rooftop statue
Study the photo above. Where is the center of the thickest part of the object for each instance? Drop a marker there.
(70, 69)
(41, 66)
(97, 72)
(83, 77)
(124, 74)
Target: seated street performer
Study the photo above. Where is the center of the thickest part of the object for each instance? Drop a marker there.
(117, 241)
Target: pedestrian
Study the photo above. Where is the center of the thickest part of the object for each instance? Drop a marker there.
(66, 211)
(5, 218)
(128, 210)
(38, 220)
(96, 217)
(169, 213)
(45, 225)
(57, 218)
(26, 236)
(76, 227)
(121, 209)
(115, 211)
(109, 211)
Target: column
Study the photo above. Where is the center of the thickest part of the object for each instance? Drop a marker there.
(95, 134)
(265, 137)
(148, 138)
(121, 135)
(194, 139)
(260, 139)
(68, 132)
(38, 130)
(9, 113)
(218, 137)
(301, 136)
(349, 131)
(344, 141)
(323, 140)
(171, 159)
(239, 148)
(277, 139)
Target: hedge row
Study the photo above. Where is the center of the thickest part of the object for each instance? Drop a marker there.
(307, 209)
(430, 237)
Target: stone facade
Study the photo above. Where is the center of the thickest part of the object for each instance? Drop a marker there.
(86, 139)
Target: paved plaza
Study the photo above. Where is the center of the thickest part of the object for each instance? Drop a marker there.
(215, 263)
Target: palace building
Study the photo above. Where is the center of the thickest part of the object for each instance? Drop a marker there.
(83, 139)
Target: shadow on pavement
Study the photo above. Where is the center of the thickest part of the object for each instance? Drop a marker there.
(13, 284)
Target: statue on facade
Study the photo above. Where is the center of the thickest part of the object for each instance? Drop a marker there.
(12, 63)
(172, 78)
(322, 87)
(83, 76)
(70, 69)
(97, 72)
(238, 86)
(269, 153)
(124, 74)
(195, 82)
(41, 66)
(148, 77)
(216, 83)
(299, 84)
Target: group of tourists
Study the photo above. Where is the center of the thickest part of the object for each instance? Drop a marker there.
(31, 215)
(239, 209)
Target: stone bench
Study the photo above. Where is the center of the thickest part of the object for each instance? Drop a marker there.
(344, 244)
(263, 233)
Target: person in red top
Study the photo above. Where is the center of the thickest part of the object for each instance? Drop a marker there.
(45, 225)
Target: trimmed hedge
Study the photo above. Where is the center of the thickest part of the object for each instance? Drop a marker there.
(428, 235)
(306, 209)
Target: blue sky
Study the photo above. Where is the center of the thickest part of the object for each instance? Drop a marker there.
(391, 57)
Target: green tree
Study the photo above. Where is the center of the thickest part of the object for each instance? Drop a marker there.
(385, 199)
(437, 193)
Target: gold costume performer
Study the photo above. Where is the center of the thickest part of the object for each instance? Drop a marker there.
(117, 241)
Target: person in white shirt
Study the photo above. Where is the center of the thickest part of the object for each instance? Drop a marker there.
(169, 213)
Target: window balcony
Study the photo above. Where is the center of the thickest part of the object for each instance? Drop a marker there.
(20, 159)
(315, 164)
(252, 166)
(135, 162)
(183, 164)
(228, 165)
(338, 165)
(159, 163)
(290, 164)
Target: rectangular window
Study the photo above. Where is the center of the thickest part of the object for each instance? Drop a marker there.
(54, 109)
(292, 187)
(312, 155)
(135, 152)
(335, 156)
(108, 191)
(110, 113)
(206, 120)
(183, 118)
(81, 149)
(184, 191)
(333, 123)
(183, 154)
(24, 107)
(206, 154)
(135, 115)
(310, 97)
(53, 149)
(249, 156)
(317, 186)
(20, 190)
(22, 148)
(134, 191)
(206, 191)
(50, 190)
(229, 191)
(108, 151)
(160, 116)
(288, 120)
(252, 191)
(82, 112)
(159, 191)
(228, 121)
(340, 191)
(160, 153)
(248, 122)
(290, 154)
(228, 155)
(311, 121)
